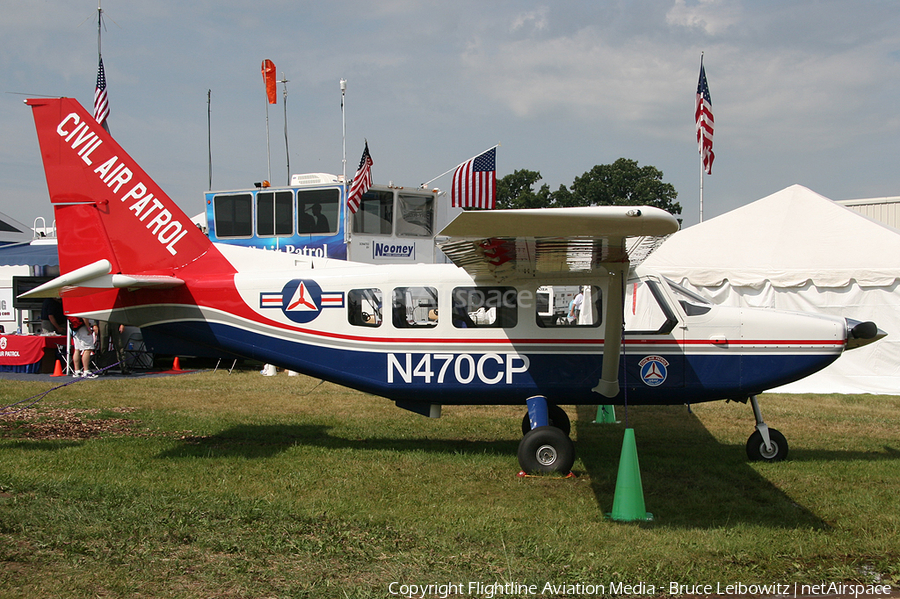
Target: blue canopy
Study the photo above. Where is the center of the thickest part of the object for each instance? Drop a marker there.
(26, 254)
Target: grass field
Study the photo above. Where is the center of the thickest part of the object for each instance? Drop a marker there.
(223, 486)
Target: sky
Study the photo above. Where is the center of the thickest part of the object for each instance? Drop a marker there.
(802, 92)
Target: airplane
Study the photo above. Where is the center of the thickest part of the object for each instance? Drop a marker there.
(425, 335)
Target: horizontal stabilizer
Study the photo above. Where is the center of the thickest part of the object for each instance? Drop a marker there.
(97, 276)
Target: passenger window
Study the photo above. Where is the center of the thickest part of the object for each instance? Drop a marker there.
(415, 307)
(376, 213)
(234, 215)
(475, 307)
(364, 307)
(646, 310)
(568, 306)
(317, 210)
(274, 213)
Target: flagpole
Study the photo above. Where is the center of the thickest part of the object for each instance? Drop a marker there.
(426, 183)
(99, 27)
(268, 148)
(287, 153)
(701, 189)
(701, 159)
(209, 132)
(344, 134)
(104, 124)
(344, 207)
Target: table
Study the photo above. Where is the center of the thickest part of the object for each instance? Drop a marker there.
(29, 353)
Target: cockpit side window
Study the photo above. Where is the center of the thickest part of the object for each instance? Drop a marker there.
(692, 303)
(647, 312)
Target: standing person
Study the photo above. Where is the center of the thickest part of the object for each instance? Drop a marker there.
(117, 332)
(575, 307)
(53, 321)
(83, 335)
(110, 331)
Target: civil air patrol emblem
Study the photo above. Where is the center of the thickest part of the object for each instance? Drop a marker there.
(301, 300)
(654, 370)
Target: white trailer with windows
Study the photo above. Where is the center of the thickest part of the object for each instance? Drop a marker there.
(310, 218)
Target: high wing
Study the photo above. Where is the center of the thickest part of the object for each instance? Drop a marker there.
(568, 243)
(562, 245)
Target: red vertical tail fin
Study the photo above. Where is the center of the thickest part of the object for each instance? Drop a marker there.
(105, 205)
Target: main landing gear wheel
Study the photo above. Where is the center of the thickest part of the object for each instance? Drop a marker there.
(558, 418)
(546, 449)
(758, 452)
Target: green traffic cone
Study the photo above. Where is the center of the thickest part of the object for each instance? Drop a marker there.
(605, 415)
(628, 502)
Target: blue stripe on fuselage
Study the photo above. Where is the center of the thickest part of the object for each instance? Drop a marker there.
(496, 378)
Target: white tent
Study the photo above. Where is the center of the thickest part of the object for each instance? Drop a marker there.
(797, 250)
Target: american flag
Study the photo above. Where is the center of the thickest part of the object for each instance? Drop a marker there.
(101, 101)
(475, 182)
(705, 122)
(362, 181)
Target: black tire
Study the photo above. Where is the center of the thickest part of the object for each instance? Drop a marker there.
(558, 418)
(546, 449)
(756, 447)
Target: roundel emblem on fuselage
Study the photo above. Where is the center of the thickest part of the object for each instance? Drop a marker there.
(301, 300)
(654, 370)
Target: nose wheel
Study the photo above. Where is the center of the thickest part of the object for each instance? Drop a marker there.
(765, 444)
(775, 451)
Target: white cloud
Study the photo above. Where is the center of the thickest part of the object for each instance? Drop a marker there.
(580, 74)
(535, 20)
(714, 17)
(799, 87)
(646, 83)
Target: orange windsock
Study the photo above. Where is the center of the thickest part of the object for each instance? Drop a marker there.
(268, 73)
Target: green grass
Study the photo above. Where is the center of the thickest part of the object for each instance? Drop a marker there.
(218, 485)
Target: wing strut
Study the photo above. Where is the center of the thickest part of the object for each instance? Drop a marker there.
(608, 386)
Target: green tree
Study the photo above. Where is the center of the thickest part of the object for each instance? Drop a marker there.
(622, 183)
(517, 191)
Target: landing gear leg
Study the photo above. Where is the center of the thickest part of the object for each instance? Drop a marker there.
(766, 444)
(556, 416)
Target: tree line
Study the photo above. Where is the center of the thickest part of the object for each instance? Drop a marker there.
(622, 183)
